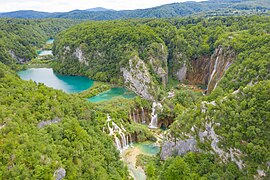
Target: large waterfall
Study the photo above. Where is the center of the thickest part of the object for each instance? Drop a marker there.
(213, 72)
(154, 118)
(121, 140)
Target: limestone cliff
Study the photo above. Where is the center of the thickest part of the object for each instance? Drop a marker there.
(207, 70)
(142, 75)
(188, 141)
(138, 78)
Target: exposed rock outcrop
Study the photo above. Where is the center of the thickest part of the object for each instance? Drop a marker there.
(49, 122)
(178, 147)
(138, 78)
(158, 61)
(18, 59)
(207, 70)
(60, 174)
(181, 74)
(188, 142)
(79, 54)
(221, 60)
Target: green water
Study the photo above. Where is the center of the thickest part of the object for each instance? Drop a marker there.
(112, 93)
(69, 84)
(148, 148)
(49, 41)
(45, 52)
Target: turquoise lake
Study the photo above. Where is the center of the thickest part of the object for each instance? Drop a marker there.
(148, 148)
(45, 52)
(112, 93)
(49, 41)
(69, 84)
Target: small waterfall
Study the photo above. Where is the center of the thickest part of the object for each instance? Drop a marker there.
(143, 116)
(134, 117)
(130, 116)
(214, 71)
(130, 139)
(154, 119)
(117, 143)
(120, 138)
(138, 116)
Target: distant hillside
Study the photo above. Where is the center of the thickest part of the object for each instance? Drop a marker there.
(97, 9)
(206, 8)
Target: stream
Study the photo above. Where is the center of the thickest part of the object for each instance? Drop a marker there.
(129, 157)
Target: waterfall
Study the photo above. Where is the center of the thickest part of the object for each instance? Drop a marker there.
(120, 138)
(138, 116)
(143, 116)
(154, 120)
(117, 143)
(130, 139)
(134, 117)
(130, 116)
(214, 71)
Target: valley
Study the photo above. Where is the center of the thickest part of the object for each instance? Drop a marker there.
(173, 98)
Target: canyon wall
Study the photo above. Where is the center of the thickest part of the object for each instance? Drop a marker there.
(207, 70)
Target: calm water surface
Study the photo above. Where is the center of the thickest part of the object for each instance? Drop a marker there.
(112, 93)
(69, 84)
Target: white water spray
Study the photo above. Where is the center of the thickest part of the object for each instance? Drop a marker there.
(120, 138)
(143, 116)
(154, 118)
(214, 71)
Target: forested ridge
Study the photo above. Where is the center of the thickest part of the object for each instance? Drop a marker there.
(204, 8)
(20, 39)
(168, 45)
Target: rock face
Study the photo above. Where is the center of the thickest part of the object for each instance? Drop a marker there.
(49, 122)
(181, 74)
(207, 70)
(138, 78)
(79, 54)
(158, 61)
(221, 60)
(179, 147)
(172, 146)
(18, 59)
(199, 71)
(59, 174)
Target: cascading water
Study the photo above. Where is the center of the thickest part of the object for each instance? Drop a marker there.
(154, 118)
(138, 116)
(117, 143)
(143, 116)
(130, 139)
(213, 73)
(118, 132)
(134, 117)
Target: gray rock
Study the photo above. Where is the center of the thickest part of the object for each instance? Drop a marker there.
(49, 122)
(181, 147)
(138, 78)
(182, 73)
(59, 174)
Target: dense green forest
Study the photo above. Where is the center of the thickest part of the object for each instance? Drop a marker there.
(204, 8)
(101, 49)
(241, 121)
(19, 38)
(244, 40)
(43, 130)
(216, 68)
